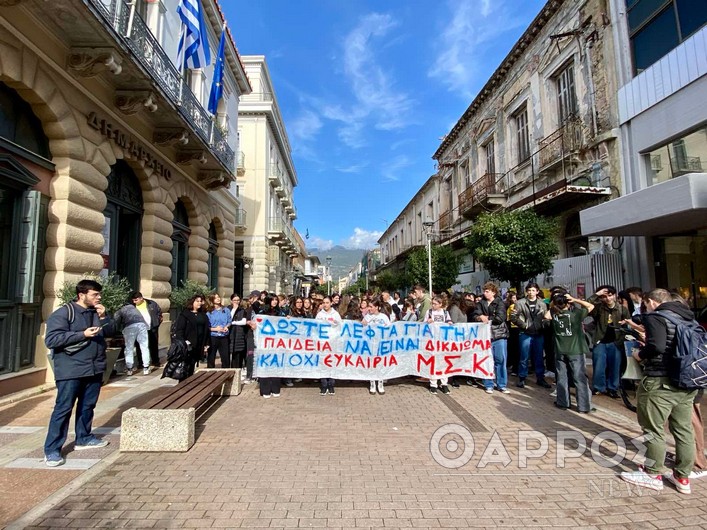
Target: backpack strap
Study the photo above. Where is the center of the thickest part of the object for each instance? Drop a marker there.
(70, 316)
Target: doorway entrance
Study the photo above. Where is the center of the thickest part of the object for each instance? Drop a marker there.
(123, 229)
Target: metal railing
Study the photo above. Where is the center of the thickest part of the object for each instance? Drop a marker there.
(478, 191)
(685, 164)
(138, 38)
(445, 220)
(566, 139)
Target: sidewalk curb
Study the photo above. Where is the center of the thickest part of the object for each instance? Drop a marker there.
(61, 494)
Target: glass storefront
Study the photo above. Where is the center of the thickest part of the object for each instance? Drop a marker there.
(681, 264)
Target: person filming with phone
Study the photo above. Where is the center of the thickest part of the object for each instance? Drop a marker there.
(75, 334)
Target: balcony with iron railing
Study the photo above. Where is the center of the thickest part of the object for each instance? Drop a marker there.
(556, 175)
(276, 227)
(682, 165)
(240, 218)
(481, 194)
(563, 142)
(133, 34)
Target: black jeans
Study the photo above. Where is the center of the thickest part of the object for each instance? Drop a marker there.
(250, 357)
(326, 382)
(220, 344)
(269, 385)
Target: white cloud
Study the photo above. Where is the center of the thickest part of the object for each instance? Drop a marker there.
(392, 170)
(363, 239)
(377, 103)
(353, 168)
(319, 243)
(305, 126)
(461, 46)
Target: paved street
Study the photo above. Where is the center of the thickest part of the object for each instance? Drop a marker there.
(346, 461)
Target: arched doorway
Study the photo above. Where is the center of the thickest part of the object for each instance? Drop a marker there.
(123, 229)
(24, 154)
(180, 244)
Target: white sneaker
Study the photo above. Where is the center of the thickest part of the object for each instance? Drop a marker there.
(550, 374)
(267, 396)
(643, 479)
(681, 484)
(381, 389)
(553, 393)
(146, 371)
(505, 391)
(489, 390)
(275, 395)
(696, 475)
(372, 388)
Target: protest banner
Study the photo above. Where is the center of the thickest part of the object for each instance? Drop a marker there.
(307, 348)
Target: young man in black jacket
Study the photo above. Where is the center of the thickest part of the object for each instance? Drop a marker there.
(75, 334)
(659, 400)
(492, 310)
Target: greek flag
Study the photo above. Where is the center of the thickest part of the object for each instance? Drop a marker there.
(217, 83)
(193, 51)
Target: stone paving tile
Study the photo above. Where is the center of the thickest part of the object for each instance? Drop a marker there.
(350, 461)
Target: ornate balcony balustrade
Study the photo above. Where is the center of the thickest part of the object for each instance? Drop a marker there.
(147, 51)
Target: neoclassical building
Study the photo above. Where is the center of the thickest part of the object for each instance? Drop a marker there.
(268, 244)
(109, 161)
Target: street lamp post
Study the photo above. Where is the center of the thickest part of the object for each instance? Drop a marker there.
(328, 274)
(428, 229)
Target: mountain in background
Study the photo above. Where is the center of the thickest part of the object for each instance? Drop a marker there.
(342, 259)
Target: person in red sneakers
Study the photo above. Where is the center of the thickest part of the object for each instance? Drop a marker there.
(659, 400)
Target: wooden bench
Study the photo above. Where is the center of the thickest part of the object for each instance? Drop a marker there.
(167, 422)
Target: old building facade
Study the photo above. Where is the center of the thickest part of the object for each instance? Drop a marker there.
(108, 161)
(541, 134)
(267, 243)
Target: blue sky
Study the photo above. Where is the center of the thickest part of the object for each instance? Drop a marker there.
(367, 89)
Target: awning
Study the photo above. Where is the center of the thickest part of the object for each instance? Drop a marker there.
(675, 206)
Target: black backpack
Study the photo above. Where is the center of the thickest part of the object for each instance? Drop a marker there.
(689, 370)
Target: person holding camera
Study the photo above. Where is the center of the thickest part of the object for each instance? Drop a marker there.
(567, 314)
(608, 340)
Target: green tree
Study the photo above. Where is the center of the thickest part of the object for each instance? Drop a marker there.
(514, 246)
(114, 294)
(357, 287)
(391, 280)
(445, 267)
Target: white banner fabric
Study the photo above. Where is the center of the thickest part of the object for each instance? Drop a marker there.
(311, 349)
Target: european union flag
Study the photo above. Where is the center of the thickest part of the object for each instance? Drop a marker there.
(217, 82)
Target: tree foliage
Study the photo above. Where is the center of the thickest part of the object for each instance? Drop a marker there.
(181, 295)
(514, 246)
(391, 280)
(114, 294)
(357, 287)
(445, 267)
